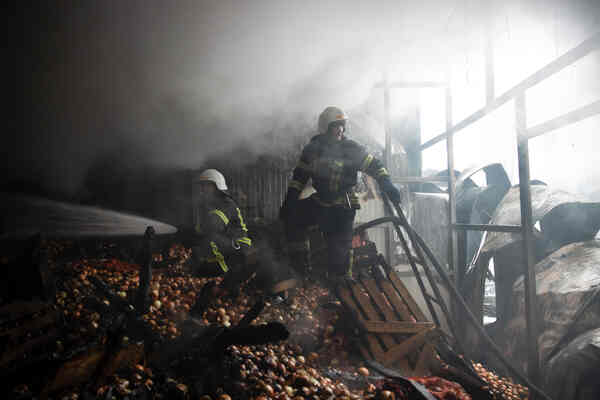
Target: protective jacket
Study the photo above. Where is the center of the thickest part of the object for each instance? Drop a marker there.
(333, 166)
(221, 230)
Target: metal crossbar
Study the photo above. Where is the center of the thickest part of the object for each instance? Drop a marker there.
(488, 228)
(418, 179)
(585, 48)
(418, 244)
(567, 119)
(517, 93)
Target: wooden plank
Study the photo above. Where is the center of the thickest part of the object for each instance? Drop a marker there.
(122, 357)
(390, 326)
(403, 366)
(378, 298)
(398, 304)
(371, 313)
(407, 297)
(409, 345)
(365, 352)
(75, 371)
(401, 327)
(423, 365)
(32, 325)
(284, 285)
(346, 298)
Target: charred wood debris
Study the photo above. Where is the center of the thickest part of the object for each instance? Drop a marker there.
(94, 322)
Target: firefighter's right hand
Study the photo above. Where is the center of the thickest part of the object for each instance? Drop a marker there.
(392, 192)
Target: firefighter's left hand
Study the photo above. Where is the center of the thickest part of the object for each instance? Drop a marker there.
(393, 193)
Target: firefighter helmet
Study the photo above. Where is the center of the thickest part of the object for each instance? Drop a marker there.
(329, 115)
(212, 175)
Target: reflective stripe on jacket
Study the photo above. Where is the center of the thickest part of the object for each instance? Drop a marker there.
(223, 228)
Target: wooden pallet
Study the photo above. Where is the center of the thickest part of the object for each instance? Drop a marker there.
(394, 330)
(96, 364)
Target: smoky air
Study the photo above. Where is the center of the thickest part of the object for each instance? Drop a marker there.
(162, 85)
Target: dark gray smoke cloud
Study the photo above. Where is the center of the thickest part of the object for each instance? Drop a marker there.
(168, 84)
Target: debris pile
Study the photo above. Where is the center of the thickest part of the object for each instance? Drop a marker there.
(124, 353)
(499, 387)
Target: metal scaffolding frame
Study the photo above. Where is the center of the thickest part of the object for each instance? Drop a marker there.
(524, 134)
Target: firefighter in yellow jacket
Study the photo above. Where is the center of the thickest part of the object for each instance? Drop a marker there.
(222, 245)
(332, 162)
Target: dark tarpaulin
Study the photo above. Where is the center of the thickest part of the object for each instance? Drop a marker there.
(573, 372)
(564, 218)
(565, 281)
(543, 200)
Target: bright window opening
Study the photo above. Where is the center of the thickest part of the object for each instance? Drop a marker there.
(489, 295)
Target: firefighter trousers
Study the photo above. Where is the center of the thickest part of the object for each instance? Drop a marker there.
(336, 224)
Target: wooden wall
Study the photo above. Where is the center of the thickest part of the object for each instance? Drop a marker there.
(258, 187)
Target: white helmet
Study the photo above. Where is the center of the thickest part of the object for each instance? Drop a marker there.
(214, 176)
(329, 115)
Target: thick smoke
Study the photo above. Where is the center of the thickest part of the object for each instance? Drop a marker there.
(168, 84)
(526, 36)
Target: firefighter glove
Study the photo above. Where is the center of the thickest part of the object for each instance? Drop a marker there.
(393, 193)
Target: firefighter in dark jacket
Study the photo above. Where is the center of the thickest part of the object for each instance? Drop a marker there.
(221, 245)
(332, 162)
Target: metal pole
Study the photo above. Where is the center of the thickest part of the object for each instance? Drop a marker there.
(528, 244)
(467, 311)
(587, 111)
(388, 134)
(452, 237)
(586, 47)
(387, 158)
(142, 298)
